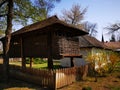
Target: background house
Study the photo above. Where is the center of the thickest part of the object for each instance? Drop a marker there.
(91, 46)
(115, 46)
(88, 45)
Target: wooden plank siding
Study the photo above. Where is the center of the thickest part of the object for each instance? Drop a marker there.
(36, 45)
(49, 78)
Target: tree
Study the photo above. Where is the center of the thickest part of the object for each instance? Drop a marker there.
(26, 12)
(112, 38)
(23, 10)
(91, 28)
(45, 6)
(8, 31)
(114, 31)
(75, 15)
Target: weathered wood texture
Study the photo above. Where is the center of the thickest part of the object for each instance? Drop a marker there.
(37, 45)
(50, 78)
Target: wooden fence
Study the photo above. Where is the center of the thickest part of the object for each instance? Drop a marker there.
(50, 78)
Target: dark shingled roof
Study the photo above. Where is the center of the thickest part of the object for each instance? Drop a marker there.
(113, 45)
(88, 41)
(53, 22)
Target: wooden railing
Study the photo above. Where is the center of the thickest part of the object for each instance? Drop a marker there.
(49, 78)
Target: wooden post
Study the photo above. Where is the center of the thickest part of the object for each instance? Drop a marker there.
(71, 61)
(49, 45)
(31, 60)
(22, 54)
(23, 62)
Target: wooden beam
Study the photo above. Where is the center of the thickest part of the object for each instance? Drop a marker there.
(49, 45)
(71, 60)
(22, 54)
(31, 61)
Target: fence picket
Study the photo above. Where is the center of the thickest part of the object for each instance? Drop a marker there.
(51, 78)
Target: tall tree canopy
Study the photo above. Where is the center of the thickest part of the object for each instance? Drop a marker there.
(114, 31)
(26, 11)
(75, 15)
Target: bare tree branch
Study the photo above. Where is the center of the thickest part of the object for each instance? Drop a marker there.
(3, 2)
(114, 29)
(75, 15)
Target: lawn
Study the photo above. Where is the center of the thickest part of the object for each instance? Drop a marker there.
(43, 65)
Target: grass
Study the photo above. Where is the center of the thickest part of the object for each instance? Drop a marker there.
(37, 66)
(28, 65)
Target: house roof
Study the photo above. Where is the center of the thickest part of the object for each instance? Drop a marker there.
(53, 22)
(88, 41)
(113, 45)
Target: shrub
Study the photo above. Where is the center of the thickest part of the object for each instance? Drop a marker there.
(105, 61)
(113, 60)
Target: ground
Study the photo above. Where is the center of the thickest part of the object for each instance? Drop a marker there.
(110, 81)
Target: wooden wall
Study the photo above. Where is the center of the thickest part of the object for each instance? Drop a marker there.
(36, 45)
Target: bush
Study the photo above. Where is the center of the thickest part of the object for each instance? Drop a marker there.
(105, 61)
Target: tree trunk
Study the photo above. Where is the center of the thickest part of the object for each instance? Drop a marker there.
(6, 43)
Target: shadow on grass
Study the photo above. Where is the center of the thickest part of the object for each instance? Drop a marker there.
(13, 84)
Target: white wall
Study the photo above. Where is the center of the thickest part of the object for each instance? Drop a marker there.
(65, 62)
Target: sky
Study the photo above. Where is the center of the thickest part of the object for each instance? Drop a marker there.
(102, 12)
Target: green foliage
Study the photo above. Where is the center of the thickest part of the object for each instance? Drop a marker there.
(38, 61)
(26, 12)
(35, 61)
(27, 60)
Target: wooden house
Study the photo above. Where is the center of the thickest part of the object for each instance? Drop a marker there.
(91, 46)
(88, 45)
(50, 38)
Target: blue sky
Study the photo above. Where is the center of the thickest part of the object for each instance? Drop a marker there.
(102, 12)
